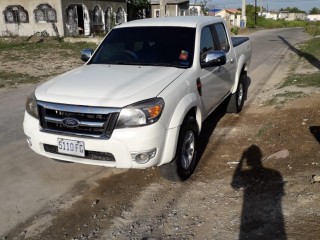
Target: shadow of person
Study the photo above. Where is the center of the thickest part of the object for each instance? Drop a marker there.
(261, 216)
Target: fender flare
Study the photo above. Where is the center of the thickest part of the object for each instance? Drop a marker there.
(188, 102)
(240, 68)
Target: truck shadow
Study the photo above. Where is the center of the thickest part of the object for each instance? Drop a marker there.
(209, 125)
(315, 131)
(309, 57)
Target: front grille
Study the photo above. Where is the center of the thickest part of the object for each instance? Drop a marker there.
(88, 121)
(98, 156)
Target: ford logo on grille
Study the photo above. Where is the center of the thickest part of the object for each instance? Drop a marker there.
(70, 122)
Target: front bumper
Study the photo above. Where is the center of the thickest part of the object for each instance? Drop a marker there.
(122, 144)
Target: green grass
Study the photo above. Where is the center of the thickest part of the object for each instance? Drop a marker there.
(313, 28)
(271, 23)
(302, 80)
(48, 43)
(22, 49)
(312, 47)
(264, 129)
(310, 51)
(12, 78)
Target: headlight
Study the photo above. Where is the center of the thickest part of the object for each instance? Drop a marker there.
(31, 106)
(141, 113)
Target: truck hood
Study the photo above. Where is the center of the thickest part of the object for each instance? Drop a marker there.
(107, 85)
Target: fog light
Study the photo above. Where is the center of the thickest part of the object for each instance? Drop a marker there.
(143, 157)
(29, 141)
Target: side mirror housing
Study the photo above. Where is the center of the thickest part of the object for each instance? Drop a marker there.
(86, 54)
(213, 59)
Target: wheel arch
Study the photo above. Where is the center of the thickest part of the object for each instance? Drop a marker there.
(188, 106)
(241, 69)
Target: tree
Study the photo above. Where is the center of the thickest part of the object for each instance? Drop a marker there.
(138, 9)
(292, 10)
(315, 11)
(251, 11)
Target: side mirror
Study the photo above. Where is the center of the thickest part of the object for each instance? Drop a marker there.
(86, 54)
(213, 59)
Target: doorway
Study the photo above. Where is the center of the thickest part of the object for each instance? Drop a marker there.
(77, 20)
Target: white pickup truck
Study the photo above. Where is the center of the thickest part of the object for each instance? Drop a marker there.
(141, 98)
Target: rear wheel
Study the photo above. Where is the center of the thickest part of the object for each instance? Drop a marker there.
(236, 100)
(184, 163)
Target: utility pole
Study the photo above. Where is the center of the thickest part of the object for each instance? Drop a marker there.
(243, 14)
(162, 8)
(255, 12)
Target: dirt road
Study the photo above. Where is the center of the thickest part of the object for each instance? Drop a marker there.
(257, 176)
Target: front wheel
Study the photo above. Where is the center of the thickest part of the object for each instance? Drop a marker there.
(184, 163)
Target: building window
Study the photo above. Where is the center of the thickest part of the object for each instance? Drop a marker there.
(15, 14)
(194, 11)
(157, 13)
(45, 13)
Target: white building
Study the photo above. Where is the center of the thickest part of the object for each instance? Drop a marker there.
(313, 17)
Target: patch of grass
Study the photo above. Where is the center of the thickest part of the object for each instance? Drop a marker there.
(264, 129)
(313, 28)
(12, 78)
(282, 98)
(312, 47)
(48, 43)
(302, 80)
(271, 23)
(290, 95)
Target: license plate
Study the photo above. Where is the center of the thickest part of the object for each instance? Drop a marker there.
(71, 147)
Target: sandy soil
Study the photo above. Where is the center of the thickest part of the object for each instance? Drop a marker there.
(258, 178)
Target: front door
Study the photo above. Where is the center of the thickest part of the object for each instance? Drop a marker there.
(213, 79)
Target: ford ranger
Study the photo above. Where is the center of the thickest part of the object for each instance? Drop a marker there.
(142, 96)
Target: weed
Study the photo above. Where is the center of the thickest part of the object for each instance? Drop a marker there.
(264, 129)
(48, 43)
(12, 78)
(302, 80)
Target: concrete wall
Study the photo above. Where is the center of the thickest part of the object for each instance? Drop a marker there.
(172, 10)
(32, 27)
(90, 5)
(59, 26)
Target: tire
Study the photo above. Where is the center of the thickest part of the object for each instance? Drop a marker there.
(236, 100)
(185, 161)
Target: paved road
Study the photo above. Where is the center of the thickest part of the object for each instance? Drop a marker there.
(30, 183)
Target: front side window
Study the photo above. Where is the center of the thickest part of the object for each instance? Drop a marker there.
(157, 46)
(206, 42)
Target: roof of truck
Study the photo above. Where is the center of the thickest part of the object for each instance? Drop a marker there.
(183, 21)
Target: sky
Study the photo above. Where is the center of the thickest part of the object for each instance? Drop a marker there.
(305, 5)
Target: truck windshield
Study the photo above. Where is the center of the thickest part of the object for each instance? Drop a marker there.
(155, 46)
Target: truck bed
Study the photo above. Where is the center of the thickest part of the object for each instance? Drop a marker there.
(236, 41)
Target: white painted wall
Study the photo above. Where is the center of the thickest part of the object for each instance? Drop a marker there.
(28, 29)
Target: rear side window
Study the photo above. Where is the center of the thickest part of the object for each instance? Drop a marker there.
(222, 37)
